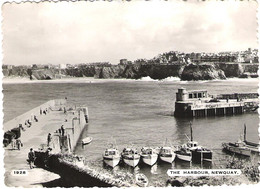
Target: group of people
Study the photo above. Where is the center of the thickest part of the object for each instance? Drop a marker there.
(43, 111)
(16, 144)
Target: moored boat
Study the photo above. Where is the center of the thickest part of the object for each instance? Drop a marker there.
(130, 157)
(149, 156)
(141, 180)
(167, 154)
(191, 151)
(111, 157)
(87, 140)
(237, 148)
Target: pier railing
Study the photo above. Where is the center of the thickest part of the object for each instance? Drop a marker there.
(216, 105)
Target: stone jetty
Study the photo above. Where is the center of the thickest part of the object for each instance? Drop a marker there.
(50, 116)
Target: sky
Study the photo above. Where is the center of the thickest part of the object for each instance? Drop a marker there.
(84, 32)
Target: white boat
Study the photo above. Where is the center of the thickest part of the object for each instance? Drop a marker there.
(111, 157)
(167, 154)
(141, 180)
(87, 140)
(149, 156)
(130, 157)
(184, 152)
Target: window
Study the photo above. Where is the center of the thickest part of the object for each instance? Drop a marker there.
(199, 95)
(190, 95)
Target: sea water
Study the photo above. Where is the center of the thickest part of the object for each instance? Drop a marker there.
(138, 113)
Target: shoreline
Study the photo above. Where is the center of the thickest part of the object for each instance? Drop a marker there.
(24, 80)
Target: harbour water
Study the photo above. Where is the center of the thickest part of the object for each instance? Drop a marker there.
(138, 113)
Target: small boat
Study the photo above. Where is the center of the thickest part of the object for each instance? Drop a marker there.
(167, 154)
(87, 140)
(111, 157)
(149, 155)
(130, 157)
(184, 152)
(141, 180)
(191, 151)
(237, 148)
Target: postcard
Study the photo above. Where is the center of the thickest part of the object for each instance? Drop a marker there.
(125, 93)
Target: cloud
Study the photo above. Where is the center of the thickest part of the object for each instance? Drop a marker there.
(77, 32)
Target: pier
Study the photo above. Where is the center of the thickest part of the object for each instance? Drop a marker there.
(58, 113)
(198, 103)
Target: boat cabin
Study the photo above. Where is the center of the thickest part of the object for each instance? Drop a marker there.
(129, 151)
(147, 150)
(111, 152)
(192, 144)
(166, 150)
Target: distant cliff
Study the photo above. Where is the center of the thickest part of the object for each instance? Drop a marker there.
(136, 71)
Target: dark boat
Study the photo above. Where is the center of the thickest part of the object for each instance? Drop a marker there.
(237, 148)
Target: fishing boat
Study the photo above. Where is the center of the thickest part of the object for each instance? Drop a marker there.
(87, 140)
(242, 146)
(191, 151)
(167, 154)
(184, 151)
(141, 180)
(149, 155)
(130, 157)
(111, 157)
(237, 148)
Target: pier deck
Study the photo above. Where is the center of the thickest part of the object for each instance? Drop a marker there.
(199, 104)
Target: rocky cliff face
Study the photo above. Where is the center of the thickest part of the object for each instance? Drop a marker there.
(202, 72)
(137, 71)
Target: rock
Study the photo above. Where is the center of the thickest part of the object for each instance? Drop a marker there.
(202, 72)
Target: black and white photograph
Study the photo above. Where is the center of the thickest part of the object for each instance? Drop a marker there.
(130, 93)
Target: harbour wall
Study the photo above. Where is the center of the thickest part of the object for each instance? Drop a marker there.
(50, 105)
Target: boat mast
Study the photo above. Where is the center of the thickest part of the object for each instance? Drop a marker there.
(191, 137)
(244, 132)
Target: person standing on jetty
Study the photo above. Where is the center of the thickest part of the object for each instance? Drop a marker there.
(62, 130)
(31, 158)
(19, 144)
(49, 139)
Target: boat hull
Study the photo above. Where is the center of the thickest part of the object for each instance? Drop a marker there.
(150, 159)
(131, 160)
(198, 156)
(237, 150)
(183, 156)
(112, 162)
(169, 158)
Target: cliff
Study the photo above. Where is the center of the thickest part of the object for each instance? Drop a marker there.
(205, 71)
(202, 72)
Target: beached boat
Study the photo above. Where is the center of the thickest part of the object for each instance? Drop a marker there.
(130, 157)
(237, 148)
(87, 140)
(149, 155)
(111, 157)
(167, 154)
(141, 180)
